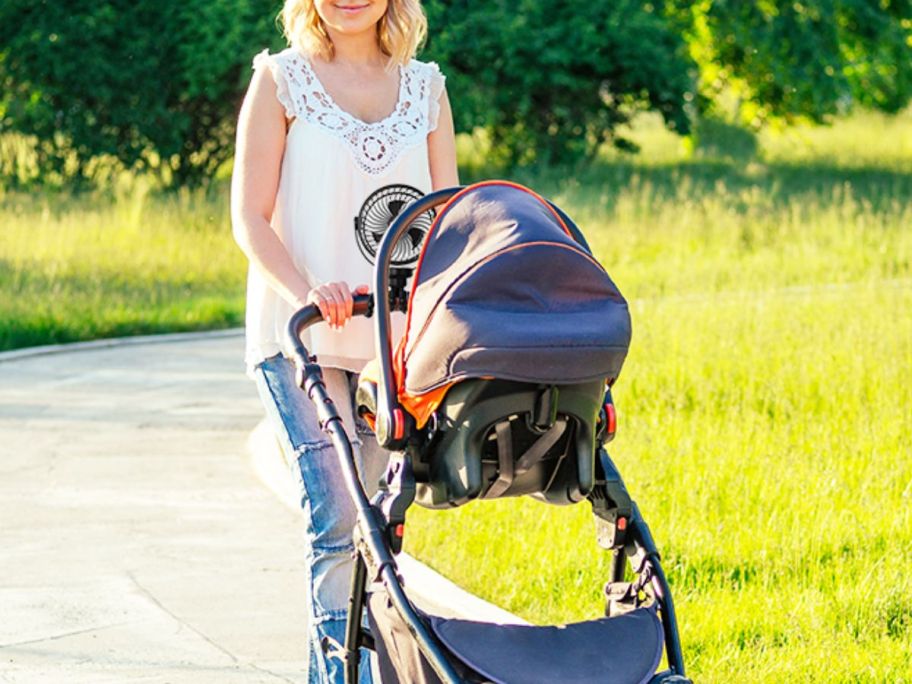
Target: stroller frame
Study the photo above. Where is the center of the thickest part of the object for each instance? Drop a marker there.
(379, 527)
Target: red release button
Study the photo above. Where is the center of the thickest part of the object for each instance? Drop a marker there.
(398, 424)
(611, 414)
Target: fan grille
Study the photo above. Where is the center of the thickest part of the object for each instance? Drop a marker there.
(379, 211)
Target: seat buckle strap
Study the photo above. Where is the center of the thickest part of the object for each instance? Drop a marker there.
(505, 471)
(542, 445)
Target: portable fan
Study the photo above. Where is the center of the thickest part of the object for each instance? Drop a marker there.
(379, 211)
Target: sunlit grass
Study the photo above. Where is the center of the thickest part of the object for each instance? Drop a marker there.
(767, 440)
(764, 407)
(764, 411)
(74, 268)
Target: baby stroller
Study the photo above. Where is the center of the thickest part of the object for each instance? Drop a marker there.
(499, 387)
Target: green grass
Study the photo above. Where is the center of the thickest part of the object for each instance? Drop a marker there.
(764, 411)
(89, 266)
(764, 408)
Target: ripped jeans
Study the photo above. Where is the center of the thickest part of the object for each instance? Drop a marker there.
(329, 513)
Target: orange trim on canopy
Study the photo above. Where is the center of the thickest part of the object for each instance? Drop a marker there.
(419, 406)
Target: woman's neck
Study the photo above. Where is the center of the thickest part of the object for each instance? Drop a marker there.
(358, 50)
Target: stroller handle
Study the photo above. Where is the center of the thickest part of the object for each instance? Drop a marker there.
(303, 318)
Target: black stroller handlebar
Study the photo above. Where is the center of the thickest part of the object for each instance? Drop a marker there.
(368, 534)
(306, 316)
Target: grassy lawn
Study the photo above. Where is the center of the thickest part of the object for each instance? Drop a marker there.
(764, 411)
(764, 421)
(122, 263)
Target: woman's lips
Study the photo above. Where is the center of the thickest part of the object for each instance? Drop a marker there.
(351, 8)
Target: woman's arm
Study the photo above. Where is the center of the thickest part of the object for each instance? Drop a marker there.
(442, 148)
(254, 184)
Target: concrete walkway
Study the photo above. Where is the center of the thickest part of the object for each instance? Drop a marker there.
(138, 542)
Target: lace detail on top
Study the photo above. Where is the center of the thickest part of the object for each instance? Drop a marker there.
(374, 146)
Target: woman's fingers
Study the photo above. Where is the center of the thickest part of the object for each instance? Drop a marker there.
(335, 301)
(348, 301)
(322, 297)
(337, 297)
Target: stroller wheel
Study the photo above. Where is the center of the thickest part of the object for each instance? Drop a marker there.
(669, 678)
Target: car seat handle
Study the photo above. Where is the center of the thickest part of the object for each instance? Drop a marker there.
(390, 434)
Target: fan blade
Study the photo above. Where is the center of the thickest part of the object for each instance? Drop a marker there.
(415, 236)
(394, 207)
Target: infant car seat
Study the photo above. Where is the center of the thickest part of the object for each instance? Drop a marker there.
(514, 333)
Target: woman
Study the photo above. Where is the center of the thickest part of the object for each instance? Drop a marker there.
(346, 109)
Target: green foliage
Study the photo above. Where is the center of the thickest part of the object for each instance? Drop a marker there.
(156, 85)
(152, 84)
(552, 80)
(766, 393)
(811, 58)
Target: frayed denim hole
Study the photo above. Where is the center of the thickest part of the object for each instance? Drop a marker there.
(330, 550)
(269, 368)
(308, 448)
(329, 586)
(303, 453)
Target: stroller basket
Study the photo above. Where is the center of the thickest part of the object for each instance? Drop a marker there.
(499, 387)
(617, 650)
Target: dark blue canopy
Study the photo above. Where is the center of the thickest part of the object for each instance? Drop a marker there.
(503, 290)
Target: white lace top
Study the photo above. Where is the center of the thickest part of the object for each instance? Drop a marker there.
(332, 162)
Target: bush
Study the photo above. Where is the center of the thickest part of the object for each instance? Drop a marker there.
(552, 80)
(154, 84)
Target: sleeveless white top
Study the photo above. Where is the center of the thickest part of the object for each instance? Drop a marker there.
(332, 163)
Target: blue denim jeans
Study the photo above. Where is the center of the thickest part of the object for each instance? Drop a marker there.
(329, 513)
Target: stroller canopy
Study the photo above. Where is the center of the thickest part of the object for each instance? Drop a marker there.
(502, 290)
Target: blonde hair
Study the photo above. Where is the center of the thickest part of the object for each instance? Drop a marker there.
(400, 31)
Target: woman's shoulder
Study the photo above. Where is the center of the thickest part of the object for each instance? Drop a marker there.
(272, 59)
(432, 83)
(282, 67)
(429, 69)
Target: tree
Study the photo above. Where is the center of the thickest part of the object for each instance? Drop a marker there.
(804, 58)
(155, 84)
(552, 80)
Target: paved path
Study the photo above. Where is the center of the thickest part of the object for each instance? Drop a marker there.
(137, 542)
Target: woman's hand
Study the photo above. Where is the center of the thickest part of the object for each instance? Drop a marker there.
(335, 302)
